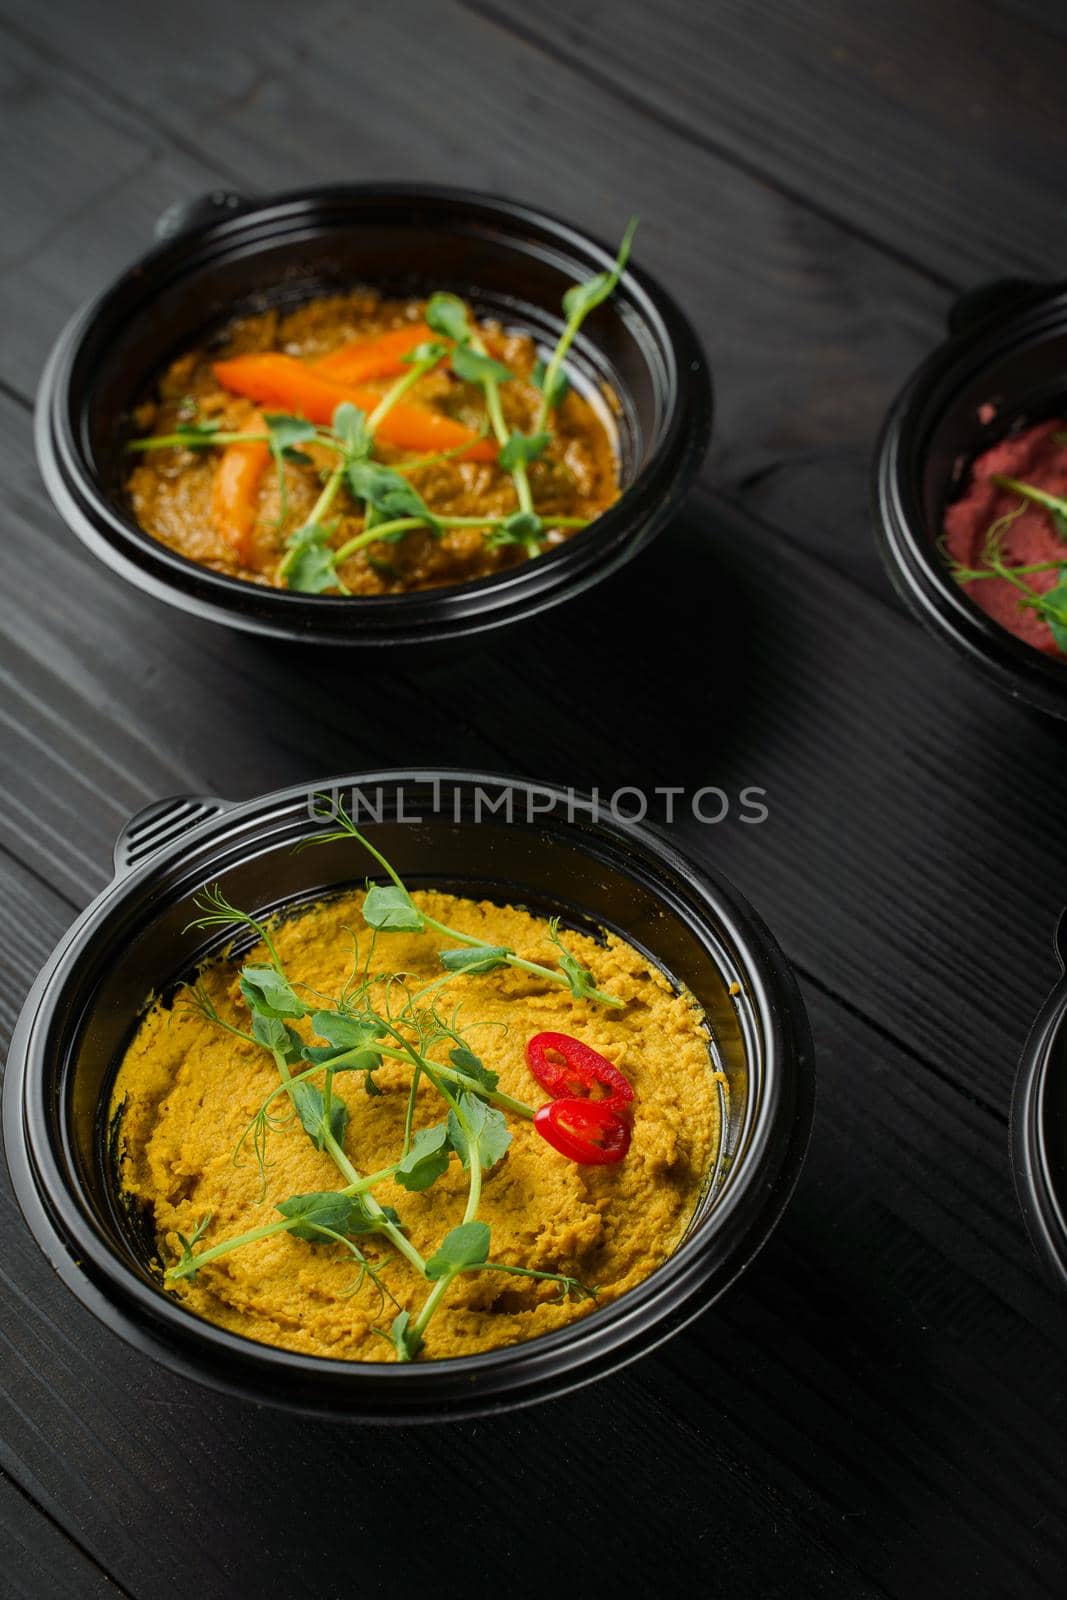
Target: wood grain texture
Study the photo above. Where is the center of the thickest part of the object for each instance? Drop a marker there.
(37, 1561)
(856, 109)
(84, 185)
(863, 797)
(35, 918)
(821, 501)
(834, 1427)
(877, 1408)
(810, 330)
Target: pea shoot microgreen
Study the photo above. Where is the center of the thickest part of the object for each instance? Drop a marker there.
(1049, 604)
(522, 448)
(578, 302)
(285, 435)
(389, 907)
(1054, 504)
(477, 1131)
(389, 503)
(555, 397)
(426, 1161)
(377, 1019)
(187, 1262)
(475, 958)
(465, 1246)
(193, 434)
(580, 979)
(472, 365)
(523, 528)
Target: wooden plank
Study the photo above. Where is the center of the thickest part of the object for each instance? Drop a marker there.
(873, 1314)
(1039, 17)
(878, 1408)
(890, 822)
(931, 129)
(801, 1436)
(176, 1459)
(897, 795)
(35, 919)
(37, 1562)
(809, 329)
(821, 502)
(800, 98)
(86, 182)
(932, 1245)
(87, 739)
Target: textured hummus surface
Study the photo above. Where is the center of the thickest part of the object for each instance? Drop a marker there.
(187, 1091)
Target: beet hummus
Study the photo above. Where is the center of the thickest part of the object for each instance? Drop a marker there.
(1037, 457)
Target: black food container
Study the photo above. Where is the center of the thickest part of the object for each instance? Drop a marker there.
(550, 855)
(1039, 1125)
(225, 254)
(1007, 350)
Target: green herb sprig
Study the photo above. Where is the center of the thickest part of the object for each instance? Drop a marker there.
(471, 362)
(390, 908)
(578, 302)
(377, 1017)
(1049, 604)
(392, 507)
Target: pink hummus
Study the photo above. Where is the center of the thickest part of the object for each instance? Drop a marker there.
(1036, 458)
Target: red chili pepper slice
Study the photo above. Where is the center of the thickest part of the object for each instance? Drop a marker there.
(587, 1131)
(578, 1073)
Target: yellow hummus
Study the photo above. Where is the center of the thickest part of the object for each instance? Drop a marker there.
(187, 1090)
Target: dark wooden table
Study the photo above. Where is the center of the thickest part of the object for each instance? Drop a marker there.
(879, 1406)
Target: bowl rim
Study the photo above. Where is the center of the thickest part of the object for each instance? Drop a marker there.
(94, 516)
(1043, 1209)
(920, 578)
(657, 1307)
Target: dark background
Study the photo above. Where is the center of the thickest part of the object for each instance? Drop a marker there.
(878, 1407)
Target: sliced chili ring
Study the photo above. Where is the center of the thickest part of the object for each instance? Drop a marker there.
(589, 1132)
(580, 1071)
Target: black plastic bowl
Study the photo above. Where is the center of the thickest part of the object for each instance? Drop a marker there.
(550, 857)
(1007, 348)
(226, 254)
(1039, 1125)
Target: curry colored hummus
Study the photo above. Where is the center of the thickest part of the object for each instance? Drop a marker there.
(187, 1090)
(174, 492)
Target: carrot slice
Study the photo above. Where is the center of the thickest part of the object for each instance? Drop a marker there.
(279, 380)
(380, 357)
(235, 489)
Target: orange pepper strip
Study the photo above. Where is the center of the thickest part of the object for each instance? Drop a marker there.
(295, 386)
(380, 357)
(236, 486)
